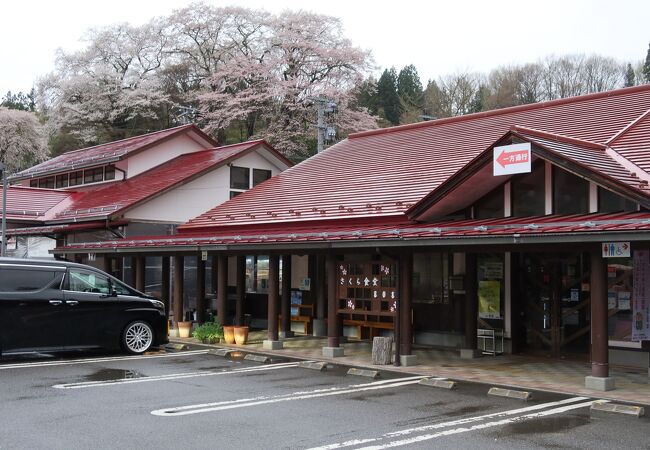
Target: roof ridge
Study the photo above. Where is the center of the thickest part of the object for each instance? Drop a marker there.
(558, 137)
(174, 129)
(623, 131)
(497, 112)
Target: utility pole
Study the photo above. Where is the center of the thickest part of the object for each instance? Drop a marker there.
(3, 248)
(325, 108)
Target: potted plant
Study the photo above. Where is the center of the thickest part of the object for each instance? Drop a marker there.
(229, 334)
(209, 332)
(241, 335)
(184, 329)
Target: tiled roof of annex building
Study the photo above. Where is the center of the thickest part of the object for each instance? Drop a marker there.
(109, 152)
(383, 173)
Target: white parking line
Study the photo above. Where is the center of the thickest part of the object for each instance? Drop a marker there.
(305, 395)
(172, 376)
(562, 406)
(96, 360)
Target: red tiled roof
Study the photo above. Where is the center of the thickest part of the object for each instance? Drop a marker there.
(115, 197)
(392, 229)
(63, 228)
(33, 204)
(590, 155)
(384, 172)
(104, 153)
(634, 142)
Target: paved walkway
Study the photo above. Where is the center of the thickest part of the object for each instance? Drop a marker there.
(533, 373)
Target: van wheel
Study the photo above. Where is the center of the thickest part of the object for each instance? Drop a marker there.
(137, 337)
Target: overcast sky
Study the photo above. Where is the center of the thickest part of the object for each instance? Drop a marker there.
(438, 37)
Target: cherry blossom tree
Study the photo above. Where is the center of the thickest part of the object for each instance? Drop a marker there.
(22, 139)
(270, 86)
(110, 89)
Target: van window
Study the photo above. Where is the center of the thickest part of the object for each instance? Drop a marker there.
(85, 281)
(21, 280)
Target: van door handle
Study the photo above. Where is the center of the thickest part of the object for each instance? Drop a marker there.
(55, 302)
(72, 302)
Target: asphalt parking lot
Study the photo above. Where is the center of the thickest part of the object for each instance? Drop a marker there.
(198, 400)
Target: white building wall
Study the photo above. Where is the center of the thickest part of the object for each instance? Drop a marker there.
(159, 154)
(194, 198)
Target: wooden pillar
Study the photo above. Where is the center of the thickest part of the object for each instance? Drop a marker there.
(165, 283)
(200, 289)
(285, 309)
(404, 304)
(179, 275)
(599, 344)
(332, 302)
(222, 289)
(139, 263)
(241, 290)
(273, 297)
(471, 304)
(321, 287)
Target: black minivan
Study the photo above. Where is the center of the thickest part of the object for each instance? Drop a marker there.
(49, 305)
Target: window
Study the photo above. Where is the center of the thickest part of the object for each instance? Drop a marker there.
(62, 181)
(430, 274)
(85, 281)
(570, 193)
(33, 183)
(528, 192)
(611, 202)
(260, 175)
(257, 274)
(239, 177)
(76, 178)
(47, 183)
(20, 280)
(490, 206)
(109, 173)
(234, 194)
(93, 175)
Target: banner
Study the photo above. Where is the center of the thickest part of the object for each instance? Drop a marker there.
(640, 292)
(489, 299)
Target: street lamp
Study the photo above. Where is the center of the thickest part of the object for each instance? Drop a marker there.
(3, 247)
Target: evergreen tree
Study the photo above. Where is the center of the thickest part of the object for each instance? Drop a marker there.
(409, 87)
(478, 101)
(388, 100)
(630, 79)
(646, 66)
(367, 96)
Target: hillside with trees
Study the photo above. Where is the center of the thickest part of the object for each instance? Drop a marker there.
(240, 73)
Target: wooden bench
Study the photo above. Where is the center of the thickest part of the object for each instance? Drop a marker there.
(372, 326)
(301, 317)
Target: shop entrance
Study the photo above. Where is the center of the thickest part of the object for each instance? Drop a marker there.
(555, 312)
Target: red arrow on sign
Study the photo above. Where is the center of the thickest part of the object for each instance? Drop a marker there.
(624, 245)
(516, 157)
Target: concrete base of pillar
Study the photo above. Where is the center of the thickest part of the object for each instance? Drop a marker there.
(320, 327)
(332, 352)
(286, 334)
(408, 360)
(470, 353)
(272, 345)
(600, 383)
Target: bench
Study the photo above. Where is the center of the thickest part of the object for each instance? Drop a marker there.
(304, 316)
(373, 327)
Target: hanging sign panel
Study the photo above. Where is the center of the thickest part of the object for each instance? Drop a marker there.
(511, 159)
(616, 249)
(641, 296)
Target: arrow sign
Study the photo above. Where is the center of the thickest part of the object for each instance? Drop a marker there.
(511, 159)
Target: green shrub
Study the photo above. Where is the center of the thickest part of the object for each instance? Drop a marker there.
(209, 332)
